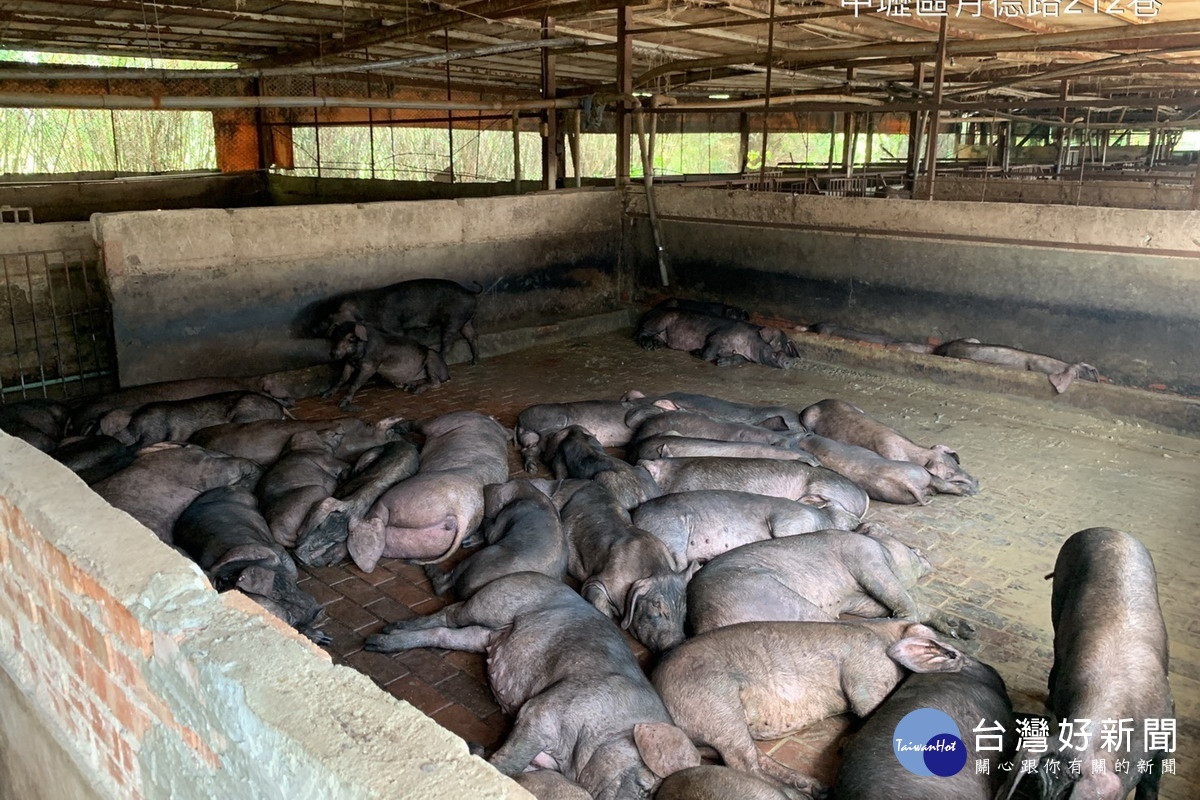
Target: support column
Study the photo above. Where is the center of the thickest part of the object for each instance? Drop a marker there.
(935, 113)
(1060, 135)
(743, 141)
(913, 160)
(550, 115)
(625, 87)
(762, 167)
(516, 132)
(1152, 148)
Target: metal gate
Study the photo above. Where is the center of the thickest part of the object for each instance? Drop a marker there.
(55, 326)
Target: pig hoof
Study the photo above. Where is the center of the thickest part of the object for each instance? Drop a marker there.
(317, 636)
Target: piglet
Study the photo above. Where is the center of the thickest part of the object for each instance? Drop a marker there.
(1110, 663)
(777, 418)
(524, 536)
(973, 695)
(165, 478)
(1061, 374)
(224, 533)
(426, 517)
(672, 445)
(698, 526)
(575, 453)
(264, 440)
(38, 421)
(847, 423)
(612, 422)
(793, 480)
(176, 420)
(815, 578)
(321, 539)
(627, 573)
(702, 426)
(583, 706)
(365, 352)
(882, 478)
(766, 680)
(306, 474)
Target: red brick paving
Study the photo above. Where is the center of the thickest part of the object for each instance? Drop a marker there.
(1046, 472)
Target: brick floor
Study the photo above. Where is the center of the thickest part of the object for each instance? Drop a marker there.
(1046, 471)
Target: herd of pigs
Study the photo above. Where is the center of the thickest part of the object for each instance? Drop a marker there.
(730, 541)
(724, 335)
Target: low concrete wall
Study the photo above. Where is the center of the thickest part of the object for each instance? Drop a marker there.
(220, 292)
(58, 200)
(1111, 194)
(40, 237)
(131, 678)
(1116, 288)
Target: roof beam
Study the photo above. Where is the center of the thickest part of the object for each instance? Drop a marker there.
(991, 46)
(429, 23)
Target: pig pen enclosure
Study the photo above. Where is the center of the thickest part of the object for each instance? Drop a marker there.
(212, 190)
(1098, 455)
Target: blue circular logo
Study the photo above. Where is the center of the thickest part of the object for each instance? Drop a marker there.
(927, 742)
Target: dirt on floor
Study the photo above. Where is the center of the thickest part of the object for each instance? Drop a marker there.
(1046, 471)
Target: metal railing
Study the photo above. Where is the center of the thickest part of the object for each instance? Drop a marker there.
(55, 326)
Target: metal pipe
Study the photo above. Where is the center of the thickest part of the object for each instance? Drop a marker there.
(766, 126)
(170, 102)
(960, 47)
(648, 182)
(128, 73)
(935, 114)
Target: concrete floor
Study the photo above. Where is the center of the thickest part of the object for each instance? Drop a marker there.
(1046, 471)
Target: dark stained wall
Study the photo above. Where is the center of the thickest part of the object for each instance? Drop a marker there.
(1116, 288)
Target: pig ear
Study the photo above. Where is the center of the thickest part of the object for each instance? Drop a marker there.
(665, 748)
(814, 500)
(256, 580)
(632, 394)
(360, 331)
(668, 405)
(636, 592)
(1061, 381)
(114, 422)
(941, 448)
(692, 568)
(925, 654)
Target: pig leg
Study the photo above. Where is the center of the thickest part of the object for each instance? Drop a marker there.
(347, 373)
(716, 717)
(323, 534)
(442, 581)
(943, 486)
(596, 593)
(468, 333)
(472, 639)
(535, 731)
(365, 373)
(287, 515)
(882, 585)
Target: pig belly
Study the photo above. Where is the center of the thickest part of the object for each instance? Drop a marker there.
(780, 709)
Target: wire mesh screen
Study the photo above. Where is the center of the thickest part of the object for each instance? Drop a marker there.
(55, 326)
(50, 140)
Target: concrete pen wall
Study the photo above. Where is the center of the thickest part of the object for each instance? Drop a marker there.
(124, 675)
(218, 292)
(1116, 288)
